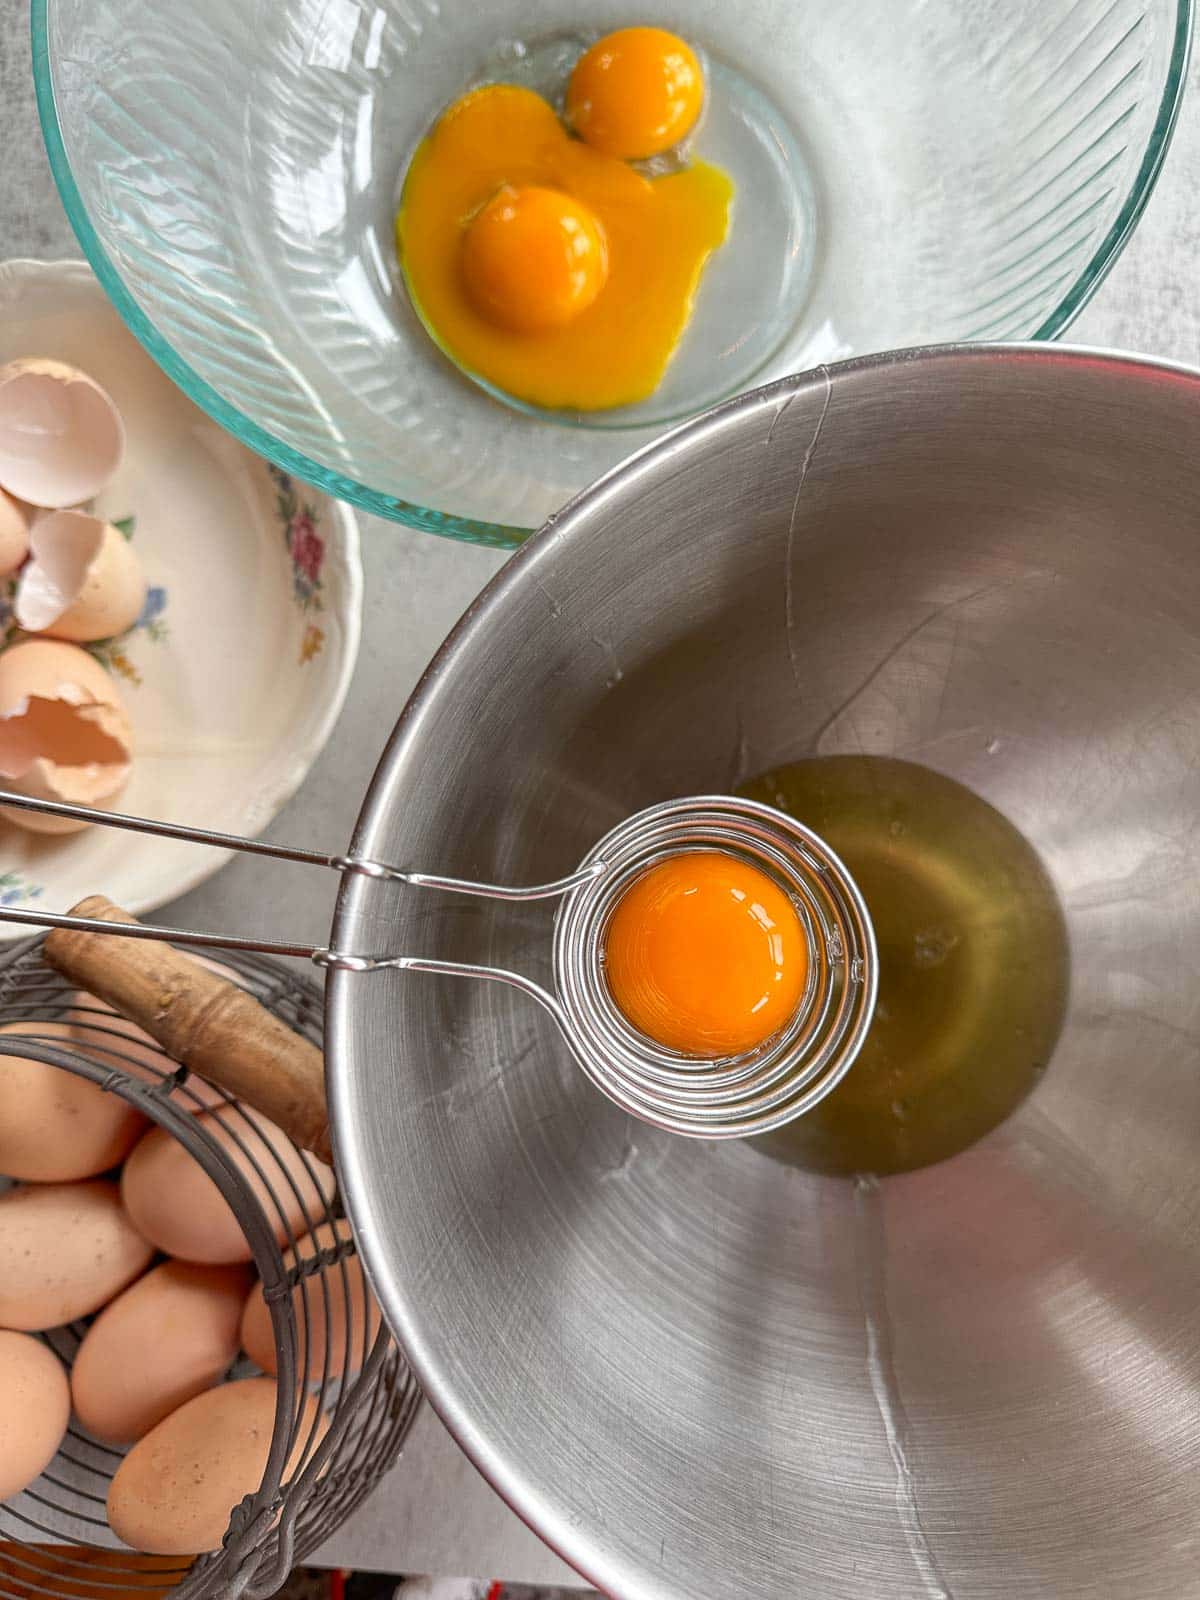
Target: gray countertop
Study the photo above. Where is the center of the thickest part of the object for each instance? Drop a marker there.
(434, 1513)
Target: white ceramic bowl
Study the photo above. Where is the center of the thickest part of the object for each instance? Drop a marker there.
(235, 677)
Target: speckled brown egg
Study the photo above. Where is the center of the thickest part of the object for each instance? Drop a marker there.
(175, 1203)
(171, 1336)
(175, 1490)
(35, 1405)
(65, 1250)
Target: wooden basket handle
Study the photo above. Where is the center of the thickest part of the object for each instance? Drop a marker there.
(201, 1020)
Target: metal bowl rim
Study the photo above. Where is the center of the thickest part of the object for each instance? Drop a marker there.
(514, 1484)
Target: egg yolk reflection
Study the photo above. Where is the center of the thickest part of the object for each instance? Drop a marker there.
(635, 93)
(705, 954)
(550, 270)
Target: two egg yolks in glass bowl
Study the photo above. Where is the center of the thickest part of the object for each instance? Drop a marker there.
(541, 252)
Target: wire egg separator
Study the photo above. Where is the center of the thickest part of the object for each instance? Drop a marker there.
(728, 1097)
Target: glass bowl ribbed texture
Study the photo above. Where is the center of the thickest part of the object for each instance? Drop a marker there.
(937, 171)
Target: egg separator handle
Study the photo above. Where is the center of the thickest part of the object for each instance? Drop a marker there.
(322, 957)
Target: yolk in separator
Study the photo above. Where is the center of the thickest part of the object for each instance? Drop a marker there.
(705, 954)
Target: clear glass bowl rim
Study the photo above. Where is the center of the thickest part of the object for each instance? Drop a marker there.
(470, 529)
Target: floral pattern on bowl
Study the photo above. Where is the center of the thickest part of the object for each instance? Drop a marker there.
(110, 653)
(235, 672)
(18, 891)
(306, 548)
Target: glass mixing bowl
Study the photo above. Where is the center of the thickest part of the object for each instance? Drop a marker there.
(907, 171)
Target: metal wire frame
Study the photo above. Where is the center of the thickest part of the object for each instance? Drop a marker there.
(312, 1481)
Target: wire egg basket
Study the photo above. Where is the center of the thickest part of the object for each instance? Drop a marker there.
(54, 1536)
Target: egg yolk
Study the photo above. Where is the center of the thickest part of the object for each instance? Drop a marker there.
(533, 259)
(635, 93)
(505, 225)
(705, 954)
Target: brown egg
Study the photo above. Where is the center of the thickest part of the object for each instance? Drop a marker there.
(56, 1127)
(65, 1250)
(174, 1492)
(170, 1337)
(35, 1406)
(174, 1202)
(339, 1292)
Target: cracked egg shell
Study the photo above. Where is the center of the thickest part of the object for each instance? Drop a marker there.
(83, 581)
(14, 535)
(64, 734)
(61, 436)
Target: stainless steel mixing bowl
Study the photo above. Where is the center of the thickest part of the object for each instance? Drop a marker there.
(696, 1370)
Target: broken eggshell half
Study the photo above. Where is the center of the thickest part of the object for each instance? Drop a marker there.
(61, 436)
(14, 535)
(64, 734)
(83, 581)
